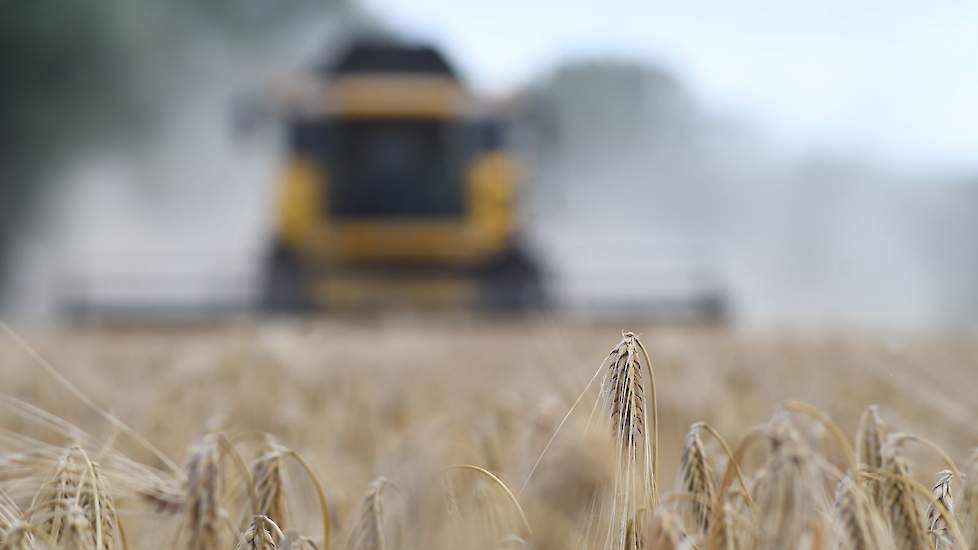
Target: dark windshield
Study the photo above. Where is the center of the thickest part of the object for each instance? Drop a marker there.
(390, 168)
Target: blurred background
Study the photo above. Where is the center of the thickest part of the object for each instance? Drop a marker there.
(762, 165)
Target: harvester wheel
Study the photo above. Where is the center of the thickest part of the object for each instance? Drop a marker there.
(283, 288)
(513, 283)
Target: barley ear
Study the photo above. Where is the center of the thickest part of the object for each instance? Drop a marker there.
(937, 526)
(369, 532)
(869, 448)
(906, 525)
(49, 509)
(262, 534)
(857, 521)
(202, 511)
(268, 473)
(698, 480)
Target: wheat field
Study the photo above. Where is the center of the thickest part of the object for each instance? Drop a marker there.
(527, 434)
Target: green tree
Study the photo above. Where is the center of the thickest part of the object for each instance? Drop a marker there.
(70, 69)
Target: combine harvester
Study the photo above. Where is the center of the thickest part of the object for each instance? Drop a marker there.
(398, 192)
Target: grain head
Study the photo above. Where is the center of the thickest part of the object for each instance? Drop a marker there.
(787, 489)
(203, 511)
(262, 534)
(858, 525)
(63, 487)
(869, 448)
(369, 533)
(629, 396)
(268, 473)
(937, 525)
(906, 524)
(697, 480)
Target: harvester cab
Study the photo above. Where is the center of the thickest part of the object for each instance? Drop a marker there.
(398, 190)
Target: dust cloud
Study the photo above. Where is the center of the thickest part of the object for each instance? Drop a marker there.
(633, 192)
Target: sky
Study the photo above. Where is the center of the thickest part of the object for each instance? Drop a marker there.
(893, 81)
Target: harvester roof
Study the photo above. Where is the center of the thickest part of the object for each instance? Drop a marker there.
(386, 57)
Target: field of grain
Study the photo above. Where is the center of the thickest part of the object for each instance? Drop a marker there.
(431, 435)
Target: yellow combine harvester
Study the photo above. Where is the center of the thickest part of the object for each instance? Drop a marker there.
(397, 192)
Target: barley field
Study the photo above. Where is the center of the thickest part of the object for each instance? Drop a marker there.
(458, 434)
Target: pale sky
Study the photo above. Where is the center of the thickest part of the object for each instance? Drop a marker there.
(895, 81)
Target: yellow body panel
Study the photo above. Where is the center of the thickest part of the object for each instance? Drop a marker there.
(371, 96)
(300, 201)
(380, 241)
(485, 229)
(491, 207)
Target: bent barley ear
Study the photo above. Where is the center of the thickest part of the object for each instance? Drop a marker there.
(74, 493)
(49, 509)
(906, 524)
(262, 534)
(857, 523)
(268, 472)
(785, 495)
(936, 524)
(697, 480)
(202, 512)
(869, 449)
(369, 532)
